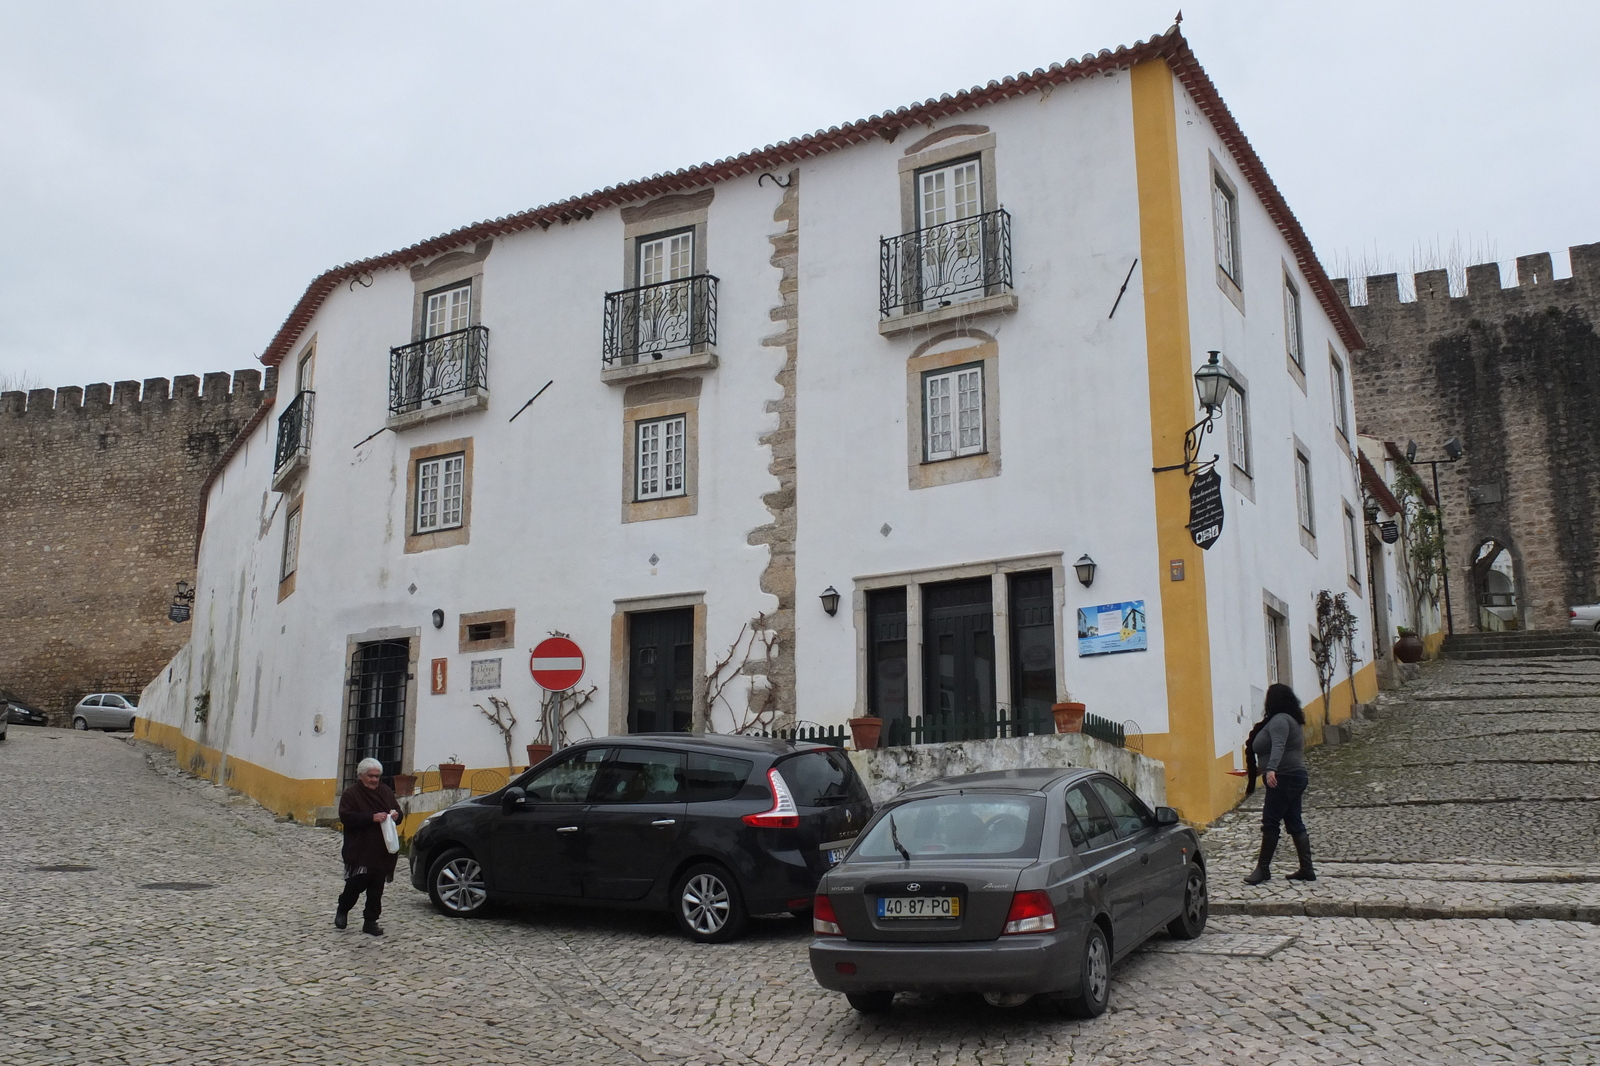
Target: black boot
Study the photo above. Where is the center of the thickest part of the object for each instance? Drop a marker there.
(1302, 848)
(1263, 870)
(371, 927)
(341, 918)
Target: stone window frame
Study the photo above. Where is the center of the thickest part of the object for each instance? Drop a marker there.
(1294, 327)
(295, 515)
(443, 538)
(442, 464)
(1354, 543)
(1232, 285)
(932, 356)
(999, 571)
(663, 459)
(1242, 478)
(650, 401)
(675, 213)
(508, 615)
(1339, 383)
(1275, 620)
(408, 746)
(1305, 497)
(617, 696)
(446, 272)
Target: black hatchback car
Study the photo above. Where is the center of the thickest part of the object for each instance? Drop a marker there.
(713, 828)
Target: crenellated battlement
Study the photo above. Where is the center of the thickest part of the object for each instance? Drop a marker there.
(241, 389)
(1484, 295)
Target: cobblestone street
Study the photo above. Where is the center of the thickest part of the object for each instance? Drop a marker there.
(121, 959)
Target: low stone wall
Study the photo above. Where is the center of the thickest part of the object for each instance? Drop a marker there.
(886, 771)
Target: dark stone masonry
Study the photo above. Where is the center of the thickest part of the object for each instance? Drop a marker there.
(101, 499)
(1515, 374)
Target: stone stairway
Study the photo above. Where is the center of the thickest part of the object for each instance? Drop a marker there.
(1522, 644)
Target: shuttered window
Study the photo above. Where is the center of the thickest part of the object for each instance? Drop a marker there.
(953, 413)
(439, 492)
(660, 458)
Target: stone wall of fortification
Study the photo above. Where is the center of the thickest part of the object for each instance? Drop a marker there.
(1515, 374)
(99, 497)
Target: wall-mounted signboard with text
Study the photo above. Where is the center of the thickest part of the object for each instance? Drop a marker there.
(1111, 627)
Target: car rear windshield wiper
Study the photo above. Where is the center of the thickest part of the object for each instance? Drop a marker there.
(894, 837)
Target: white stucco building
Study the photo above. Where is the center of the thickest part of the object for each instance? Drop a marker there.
(928, 360)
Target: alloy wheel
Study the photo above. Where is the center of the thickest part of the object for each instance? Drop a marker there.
(460, 884)
(1194, 898)
(1098, 970)
(705, 903)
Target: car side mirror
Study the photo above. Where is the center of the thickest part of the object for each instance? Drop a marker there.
(513, 798)
(1166, 816)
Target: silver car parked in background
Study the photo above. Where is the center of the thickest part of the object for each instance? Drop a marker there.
(105, 710)
(1585, 617)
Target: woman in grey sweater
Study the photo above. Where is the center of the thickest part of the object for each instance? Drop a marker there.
(1276, 749)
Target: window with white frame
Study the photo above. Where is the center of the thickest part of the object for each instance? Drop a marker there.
(1277, 647)
(659, 458)
(1352, 542)
(1341, 397)
(1302, 492)
(952, 405)
(666, 258)
(949, 193)
(1293, 333)
(448, 310)
(291, 544)
(439, 492)
(1225, 223)
(1237, 412)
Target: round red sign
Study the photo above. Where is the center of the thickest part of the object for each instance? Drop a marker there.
(556, 664)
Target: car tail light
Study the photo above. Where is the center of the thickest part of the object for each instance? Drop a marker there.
(783, 814)
(823, 921)
(1031, 912)
(1572, 614)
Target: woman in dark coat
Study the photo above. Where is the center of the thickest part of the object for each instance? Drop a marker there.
(363, 808)
(1276, 749)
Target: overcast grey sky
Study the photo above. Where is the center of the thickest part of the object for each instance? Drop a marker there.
(172, 175)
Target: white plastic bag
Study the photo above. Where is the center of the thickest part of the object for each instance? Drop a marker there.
(391, 836)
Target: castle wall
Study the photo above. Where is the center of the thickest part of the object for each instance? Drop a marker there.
(101, 490)
(1515, 374)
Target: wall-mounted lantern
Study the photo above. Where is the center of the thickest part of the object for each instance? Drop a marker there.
(438, 618)
(1085, 567)
(830, 600)
(1211, 383)
(182, 603)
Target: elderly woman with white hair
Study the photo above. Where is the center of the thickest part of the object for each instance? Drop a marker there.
(363, 809)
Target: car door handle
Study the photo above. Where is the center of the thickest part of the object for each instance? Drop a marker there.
(1101, 880)
(567, 829)
(1144, 859)
(665, 821)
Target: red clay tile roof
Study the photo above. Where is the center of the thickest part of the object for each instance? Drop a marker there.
(1170, 46)
(1373, 483)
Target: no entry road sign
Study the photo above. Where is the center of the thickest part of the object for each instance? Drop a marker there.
(556, 664)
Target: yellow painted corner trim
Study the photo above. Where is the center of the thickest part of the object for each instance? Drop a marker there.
(1185, 634)
(280, 794)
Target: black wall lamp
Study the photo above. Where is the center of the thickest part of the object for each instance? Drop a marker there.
(438, 618)
(182, 603)
(1085, 567)
(1211, 384)
(830, 600)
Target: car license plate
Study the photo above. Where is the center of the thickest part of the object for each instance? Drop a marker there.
(836, 856)
(919, 907)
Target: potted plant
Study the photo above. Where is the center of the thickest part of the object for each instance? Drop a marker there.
(1068, 715)
(538, 753)
(450, 772)
(404, 784)
(865, 731)
(1408, 649)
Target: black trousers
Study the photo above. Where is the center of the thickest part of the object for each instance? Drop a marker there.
(1283, 803)
(370, 882)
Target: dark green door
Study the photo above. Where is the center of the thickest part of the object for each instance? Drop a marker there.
(661, 671)
(958, 660)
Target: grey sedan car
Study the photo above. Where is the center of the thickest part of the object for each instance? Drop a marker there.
(1584, 616)
(105, 710)
(1011, 884)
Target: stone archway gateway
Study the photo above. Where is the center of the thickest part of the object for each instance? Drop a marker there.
(1494, 581)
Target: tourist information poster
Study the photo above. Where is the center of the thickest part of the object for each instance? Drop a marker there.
(1111, 627)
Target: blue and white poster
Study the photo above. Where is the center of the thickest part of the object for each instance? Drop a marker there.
(1111, 627)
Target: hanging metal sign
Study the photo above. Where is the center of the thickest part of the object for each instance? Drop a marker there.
(1390, 531)
(1205, 508)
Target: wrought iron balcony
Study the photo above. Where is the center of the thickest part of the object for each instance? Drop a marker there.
(946, 264)
(451, 366)
(652, 321)
(294, 435)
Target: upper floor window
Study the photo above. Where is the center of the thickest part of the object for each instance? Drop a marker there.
(1352, 546)
(949, 193)
(1293, 333)
(1225, 222)
(448, 310)
(291, 544)
(1341, 397)
(666, 258)
(1302, 492)
(952, 404)
(1237, 412)
(659, 458)
(302, 377)
(439, 492)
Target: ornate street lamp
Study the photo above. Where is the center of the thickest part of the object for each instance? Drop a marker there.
(1211, 383)
(182, 603)
(1085, 567)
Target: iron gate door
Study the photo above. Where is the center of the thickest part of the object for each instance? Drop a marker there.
(958, 660)
(661, 671)
(375, 726)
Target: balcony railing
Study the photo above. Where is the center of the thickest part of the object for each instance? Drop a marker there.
(945, 264)
(438, 369)
(651, 321)
(294, 431)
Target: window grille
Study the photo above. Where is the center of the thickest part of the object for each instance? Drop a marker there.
(660, 458)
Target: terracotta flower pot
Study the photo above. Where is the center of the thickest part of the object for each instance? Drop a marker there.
(450, 774)
(1068, 716)
(864, 731)
(538, 753)
(404, 784)
(1408, 649)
